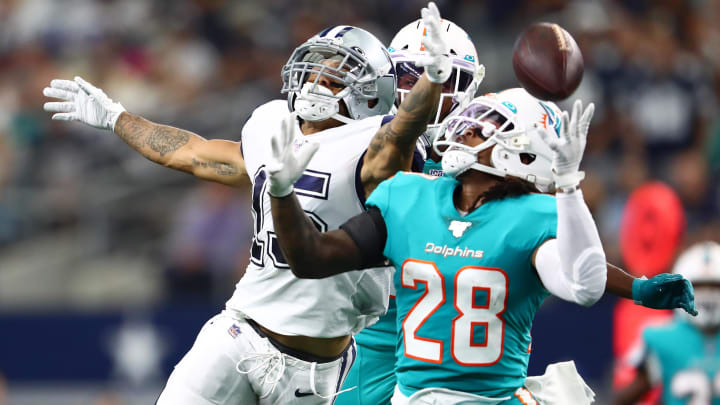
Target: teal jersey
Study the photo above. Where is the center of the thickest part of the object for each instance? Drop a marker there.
(466, 290)
(433, 168)
(685, 361)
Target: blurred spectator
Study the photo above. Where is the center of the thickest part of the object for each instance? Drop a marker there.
(209, 243)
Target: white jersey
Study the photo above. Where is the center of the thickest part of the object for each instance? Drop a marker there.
(330, 192)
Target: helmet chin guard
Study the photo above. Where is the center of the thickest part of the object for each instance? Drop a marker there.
(318, 103)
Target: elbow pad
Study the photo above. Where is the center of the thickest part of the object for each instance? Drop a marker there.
(590, 276)
(580, 280)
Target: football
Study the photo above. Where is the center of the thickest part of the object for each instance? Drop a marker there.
(548, 62)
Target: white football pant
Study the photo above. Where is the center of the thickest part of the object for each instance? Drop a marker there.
(231, 363)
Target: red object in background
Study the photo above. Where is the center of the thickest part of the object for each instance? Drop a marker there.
(652, 225)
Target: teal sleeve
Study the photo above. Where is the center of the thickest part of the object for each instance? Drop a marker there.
(537, 214)
(380, 197)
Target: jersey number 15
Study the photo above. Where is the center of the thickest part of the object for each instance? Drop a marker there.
(311, 184)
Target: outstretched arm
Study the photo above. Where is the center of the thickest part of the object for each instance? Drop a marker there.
(393, 146)
(664, 291)
(215, 160)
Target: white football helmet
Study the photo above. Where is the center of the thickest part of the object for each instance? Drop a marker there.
(511, 120)
(365, 71)
(406, 48)
(700, 264)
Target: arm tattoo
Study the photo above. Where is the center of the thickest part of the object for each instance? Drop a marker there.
(383, 136)
(222, 169)
(165, 139)
(139, 132)
(415, 112)
(132, 129)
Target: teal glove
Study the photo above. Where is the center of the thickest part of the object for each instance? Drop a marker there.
(665, 291)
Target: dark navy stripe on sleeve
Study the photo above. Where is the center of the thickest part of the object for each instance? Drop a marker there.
(387, 119)
(359, 189)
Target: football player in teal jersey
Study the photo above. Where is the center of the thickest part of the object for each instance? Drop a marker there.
(372, 376)
(465, 331)
(371, 379)
(684, 355)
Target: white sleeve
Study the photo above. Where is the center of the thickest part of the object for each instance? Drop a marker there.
(573, 266)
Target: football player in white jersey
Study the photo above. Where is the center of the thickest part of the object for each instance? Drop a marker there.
(278, 341)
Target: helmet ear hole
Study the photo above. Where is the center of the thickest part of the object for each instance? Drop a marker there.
(527, 158)
(372, 103)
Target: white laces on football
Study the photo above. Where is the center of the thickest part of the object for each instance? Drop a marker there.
(272, 366)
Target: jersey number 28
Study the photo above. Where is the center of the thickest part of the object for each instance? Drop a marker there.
(487, 313)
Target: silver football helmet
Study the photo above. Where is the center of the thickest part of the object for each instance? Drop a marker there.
(360, 64)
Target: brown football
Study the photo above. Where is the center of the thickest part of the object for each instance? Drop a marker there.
(548, 62)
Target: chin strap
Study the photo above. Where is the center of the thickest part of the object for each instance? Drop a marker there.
(318, 103)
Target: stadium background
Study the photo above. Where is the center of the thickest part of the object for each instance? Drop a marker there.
(109, 264)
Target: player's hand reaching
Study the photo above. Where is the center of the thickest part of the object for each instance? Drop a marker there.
(436, 62)
(568, 149)
(287, 164)
(82, 102)
(665, 291)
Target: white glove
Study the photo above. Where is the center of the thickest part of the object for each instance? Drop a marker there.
(82, 102)
(287, 165)
(568, 149)
(437, 62)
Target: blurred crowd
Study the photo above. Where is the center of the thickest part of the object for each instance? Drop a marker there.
(77, 201)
